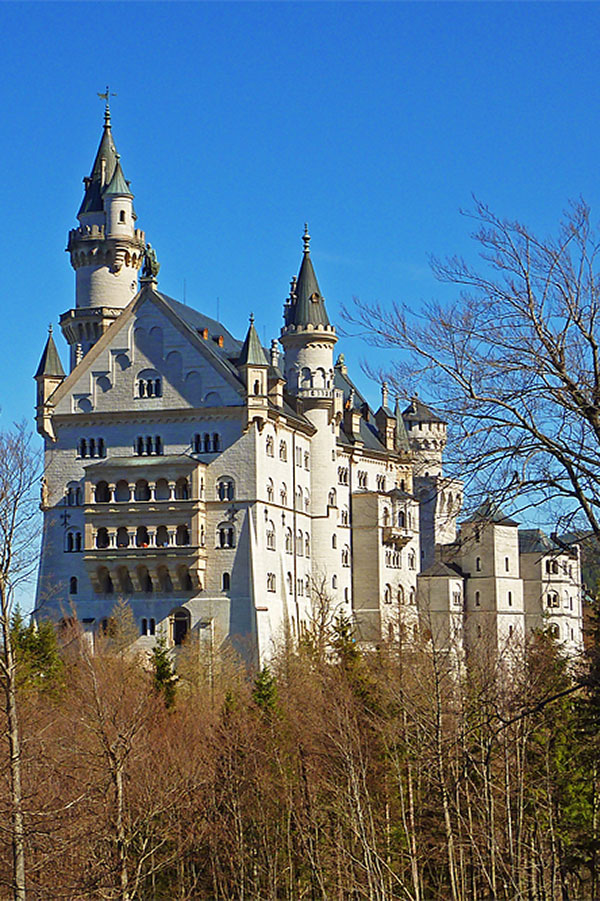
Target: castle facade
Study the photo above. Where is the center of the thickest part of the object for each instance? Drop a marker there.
(220, 487)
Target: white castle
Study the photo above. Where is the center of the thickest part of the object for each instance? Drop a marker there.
(220, 487)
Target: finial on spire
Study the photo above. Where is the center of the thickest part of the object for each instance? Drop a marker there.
(251, 318)
(50, 328)
(306, 238)
(106, 97)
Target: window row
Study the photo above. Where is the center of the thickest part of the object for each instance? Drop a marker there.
(302, 585)
(142, 490)
(388, 595)
(402, 519)
(206, 443)
(143, 537)
(343, 475)
(148, 446)
(149, 386)
(553, 568)
(302, 542)
(91, 447)
(301, 456)
(302, 496)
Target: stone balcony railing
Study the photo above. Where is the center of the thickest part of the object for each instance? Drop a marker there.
(399, 536)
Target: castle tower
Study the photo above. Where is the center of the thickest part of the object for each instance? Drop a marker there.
(106, 250)
(49, 376)
(440, 497)
(255, 369)
(308, 340)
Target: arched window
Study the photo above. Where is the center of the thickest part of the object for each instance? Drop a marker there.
(102, 493)
(282, 450)
(182, 489)
(306, 378)
(332, 497)
(122, 537)
(144, 629)
(271, 582)
(290, 583)
(182, 536)
(401, 519)
(289, 541)
(283, 495)
(307, 545)
(411, 559)
(142, 539)
(162, 492)
(180, 620)
(122, 493)
(306, 460)
(73, 541)
(345, 555)
(334, 581)
(102, 538)
(270, 491)
(225, 535)
(477, 599)
(256, 387)
(509, 598)
(400, 594)
(149, 384)
(334, 540)
(271, 536)
(299, 498)
(299, 543)
(306, 501)
(387, 594)
(506, 564)
(386, 516)
(216, 442)
(206, 443)
(142, 490)
(345, 516)
(478, 564)
(270, 446)
(225, 582)
(225, 488)
(412, 598)
(73, 585)
(554, 630)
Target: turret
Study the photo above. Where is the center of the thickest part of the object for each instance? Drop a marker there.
(254, 368)
(49, 376)
(106, 250)
(307, 336)
(427, 437)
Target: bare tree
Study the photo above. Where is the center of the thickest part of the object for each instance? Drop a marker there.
(18, 554)
(513, 364)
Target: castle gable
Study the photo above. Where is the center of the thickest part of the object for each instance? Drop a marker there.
(152, 359)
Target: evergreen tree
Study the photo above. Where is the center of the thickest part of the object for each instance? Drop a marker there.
(165, 679)
(37, 656)
(264, 693)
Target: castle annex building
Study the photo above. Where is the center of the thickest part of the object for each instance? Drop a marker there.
(219, 486)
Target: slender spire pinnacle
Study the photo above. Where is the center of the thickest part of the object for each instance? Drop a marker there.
(50, 328)
(306, 238)
(251, 318)
(106, 97)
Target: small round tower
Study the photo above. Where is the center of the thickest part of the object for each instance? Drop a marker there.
(426, 436)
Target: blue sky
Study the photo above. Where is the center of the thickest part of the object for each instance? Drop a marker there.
(237, 122)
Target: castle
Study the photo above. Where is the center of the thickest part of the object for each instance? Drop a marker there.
(220, 487)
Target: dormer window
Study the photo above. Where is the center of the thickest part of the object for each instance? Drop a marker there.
(149, 384)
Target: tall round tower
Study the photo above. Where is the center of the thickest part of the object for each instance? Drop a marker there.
(426, 436)
(106, 250)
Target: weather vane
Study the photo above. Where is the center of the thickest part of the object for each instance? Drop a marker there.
(106, 97)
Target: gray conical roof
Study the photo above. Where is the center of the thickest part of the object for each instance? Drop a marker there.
(50, 363)
(489, 511)
(252, 353)
(417, 411)
(118, 183)
(92, 200)
(308, 305)
(402, 442)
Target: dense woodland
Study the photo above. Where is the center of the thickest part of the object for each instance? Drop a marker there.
(332, 774)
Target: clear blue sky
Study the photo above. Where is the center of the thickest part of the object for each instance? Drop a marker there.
(237, 122)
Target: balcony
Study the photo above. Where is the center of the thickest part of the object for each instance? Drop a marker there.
(399, 536)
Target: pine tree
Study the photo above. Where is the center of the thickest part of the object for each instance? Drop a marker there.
(165, 679)
(264, 693)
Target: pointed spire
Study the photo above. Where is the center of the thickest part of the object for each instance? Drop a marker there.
(402, 442)
(307, 303)
(50, 364)
(118, 183)
(252, 353)
(102, 170)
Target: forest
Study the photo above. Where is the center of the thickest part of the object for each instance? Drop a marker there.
(332, 774)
